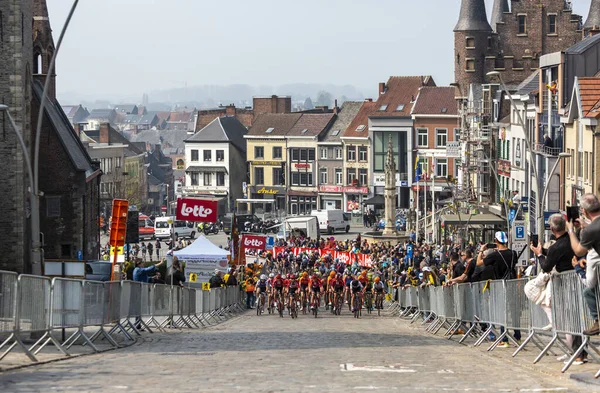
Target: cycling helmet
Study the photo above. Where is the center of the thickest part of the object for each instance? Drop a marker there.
(332, 274)
(263, 277)
(315, 275)
(363, 273)
(271, 275)
(347, 272)
(305, 274)
(292, 276)
(278, 276)
(318, 274)
(377, 279)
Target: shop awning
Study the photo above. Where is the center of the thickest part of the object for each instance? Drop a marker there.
(219, 169)
(376, 200)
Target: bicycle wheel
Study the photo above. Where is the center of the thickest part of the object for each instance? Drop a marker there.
(368, 303)
(379, 307)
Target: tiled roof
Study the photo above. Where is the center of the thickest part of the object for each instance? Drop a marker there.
(311, 124)
(280, 123)
(222, 129)
(436, 101)
(589, 90)
(102, 114)
(530, 84)
(400, 93)
(347, 113)
(180, 117)
(359, 127)
(70, 110)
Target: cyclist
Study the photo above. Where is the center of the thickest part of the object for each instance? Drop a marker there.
(277, 288)
(347, 281)
(355, 288)
(261, 287)
(292, 289)
(304, 282)
(378, 287)
(328, 289)
(336, 288)
(368, 287)
(316, 286)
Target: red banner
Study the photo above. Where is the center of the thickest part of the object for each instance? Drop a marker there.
(197, 210)
(254, 242)
(345, 257)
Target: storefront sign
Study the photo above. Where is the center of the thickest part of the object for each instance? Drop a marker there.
(353, 205)
(302, 166)
(180, 164)
(330, 188)
(254, 242)
(273, 163)
(269, 191)
(356, 190)
(196, 210)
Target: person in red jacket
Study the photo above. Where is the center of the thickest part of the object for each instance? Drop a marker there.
(316, 287)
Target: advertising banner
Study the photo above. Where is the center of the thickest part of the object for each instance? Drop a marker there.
(254, 242)
(196, 210)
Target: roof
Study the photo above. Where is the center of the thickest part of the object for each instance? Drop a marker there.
(222, 129)
(66, 134)
(530, 84)
(70, 110)
(181, 117)
(589, 91)
(472, 16)
(172, 138)
(346, 114)
(433, 100)
(399, 95)
(359, 126)
(593, 19)
(126, 108)
(281, 124)
(102, 114)
(583, 45)
(311, 124)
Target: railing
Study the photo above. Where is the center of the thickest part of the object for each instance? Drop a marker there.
(478, 310)
(551, 151)
(91, 310)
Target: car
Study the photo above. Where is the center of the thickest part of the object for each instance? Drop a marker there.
(163, 230)
(98, 270)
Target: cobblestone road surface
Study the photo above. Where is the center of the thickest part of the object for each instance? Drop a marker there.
(270, 354)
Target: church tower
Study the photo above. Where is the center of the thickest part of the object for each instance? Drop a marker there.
(471, 41)
(43, 46)
(592, 23)
(498, 10)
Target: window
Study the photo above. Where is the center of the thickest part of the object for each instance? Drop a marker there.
(303, 155)
(470, 65)
(277, 152)
(585, 167)
(323, 153)
(306, 179)
(362, 177)
(351, 153)
(53, 206)
(338, 153)
(456, 134)
(117, 162)
(339, 176)
(194, 178)
(380, 147)
(383, 107)
(295, 178)
(422, 137)
(220, 155)
(295, 154)
(259, 176)
(323, 176)
(441, 137)
(220, 179)
(400, 108)
(277, 177)
(522, 20)
(362, 153)
(259, 152)
(552, 24)
(208, 179)
(350, 176)
(441, 167)
(311, 154)
(194, 155)
(207, 155)
(470, 43)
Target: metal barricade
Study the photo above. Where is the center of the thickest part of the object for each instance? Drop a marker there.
(9, 314)
(132, 299)
(101, 305)
(67, 309)
(160, 305)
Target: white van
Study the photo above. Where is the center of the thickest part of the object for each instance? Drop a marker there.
(331, 221)
(164, 230)
(305, 226)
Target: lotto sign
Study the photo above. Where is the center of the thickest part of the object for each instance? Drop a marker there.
(196, 210)
(254, 242)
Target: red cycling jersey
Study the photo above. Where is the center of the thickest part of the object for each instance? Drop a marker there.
(286, 283)
(278, 283)
(338, 282)
(316, 282)
(292, 284)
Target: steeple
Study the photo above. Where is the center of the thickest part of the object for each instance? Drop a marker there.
(473, 17)
(593, 19)
(498, 10)
(43, 44)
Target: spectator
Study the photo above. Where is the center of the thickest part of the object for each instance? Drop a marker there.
(456, 267)
(216, 281)
(157, 279)
(175, 275)
(589, 245)
(157, 247)
(141, 273)
(548, 141)
(150, 249)
(249, 287)
(231, 279)
(467, 275)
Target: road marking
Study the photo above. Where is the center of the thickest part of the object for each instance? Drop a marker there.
(545, 390)
(445, 372)
(376, 369)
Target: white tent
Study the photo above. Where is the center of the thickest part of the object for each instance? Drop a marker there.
(202, 257)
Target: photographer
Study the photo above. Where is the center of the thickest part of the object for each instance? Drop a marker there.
(500, 263)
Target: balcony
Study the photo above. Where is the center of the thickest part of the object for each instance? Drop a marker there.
(547, 150)
(484, 134)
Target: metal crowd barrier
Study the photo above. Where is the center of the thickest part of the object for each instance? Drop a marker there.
(499, 307)
(40, 307)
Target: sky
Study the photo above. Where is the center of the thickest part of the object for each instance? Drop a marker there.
(128, 47)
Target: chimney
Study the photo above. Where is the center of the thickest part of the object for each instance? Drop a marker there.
(230, 110)
(335, 107)
(368, 100)
(78, 128)
(104, 133)
(382, 88)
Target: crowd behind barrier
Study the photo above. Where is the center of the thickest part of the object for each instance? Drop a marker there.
(34, 306)
(500, 309)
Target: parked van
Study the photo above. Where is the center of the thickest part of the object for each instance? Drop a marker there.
(305, 226)
(163, 230)
(331, 221)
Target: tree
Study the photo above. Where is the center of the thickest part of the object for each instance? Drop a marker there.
(324, 99)
(308, 104)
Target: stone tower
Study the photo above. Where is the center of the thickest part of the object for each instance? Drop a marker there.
(43, 45)
(390, 191)
(471, 41)
(498, 10)
(592, 23)
(16, 55)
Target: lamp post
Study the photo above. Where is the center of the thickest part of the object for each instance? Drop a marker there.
(35, 250)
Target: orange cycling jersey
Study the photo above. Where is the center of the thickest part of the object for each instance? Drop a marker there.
(304, 281)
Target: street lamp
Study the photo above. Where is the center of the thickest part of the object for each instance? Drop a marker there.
(35, 251)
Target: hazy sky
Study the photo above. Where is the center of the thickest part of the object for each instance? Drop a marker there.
(124, 47)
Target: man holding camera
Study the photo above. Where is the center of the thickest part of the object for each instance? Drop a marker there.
(499, 264)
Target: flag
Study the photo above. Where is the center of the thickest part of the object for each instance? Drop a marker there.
(418, 173)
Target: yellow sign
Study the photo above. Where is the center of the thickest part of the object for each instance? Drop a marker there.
(119, 250)
(206, 286)
(170, 221)
(269, 191)
(388, 297)
(193, 277)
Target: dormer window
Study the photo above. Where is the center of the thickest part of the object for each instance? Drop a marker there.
(400, 108)
(470, 43)
(383, 107)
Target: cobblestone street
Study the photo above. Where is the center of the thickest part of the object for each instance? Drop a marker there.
(328, 354)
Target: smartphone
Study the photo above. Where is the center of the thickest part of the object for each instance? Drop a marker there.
(535, 239)
(572, 213)
(491, 245)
